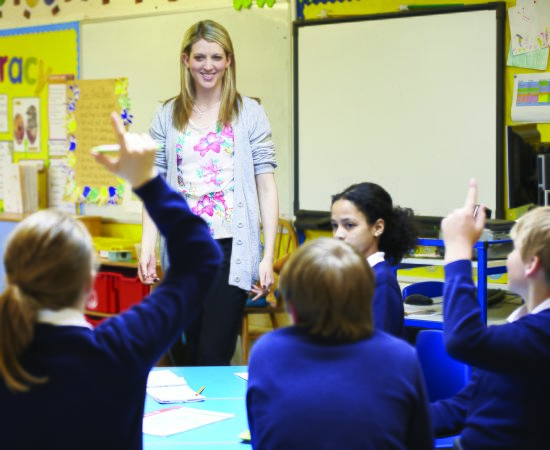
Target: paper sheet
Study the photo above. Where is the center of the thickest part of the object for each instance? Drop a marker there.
(166, 387)
(178, 419)
(531, 97)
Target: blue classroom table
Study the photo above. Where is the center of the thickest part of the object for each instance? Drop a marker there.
(225, 392)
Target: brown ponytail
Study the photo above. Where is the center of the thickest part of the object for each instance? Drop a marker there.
(17, 317)
(48, 261)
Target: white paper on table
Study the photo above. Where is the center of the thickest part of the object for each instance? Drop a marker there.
(166, 387)
(158, 378)
(168, 421)
(243, 375)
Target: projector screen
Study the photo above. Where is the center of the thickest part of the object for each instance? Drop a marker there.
(411, 101)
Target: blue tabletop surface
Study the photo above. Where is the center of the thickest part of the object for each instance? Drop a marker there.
(225, 392)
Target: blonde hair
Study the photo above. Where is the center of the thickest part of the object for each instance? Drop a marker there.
(48, 262)
(330, 286)
(230, 99)
(531, 235)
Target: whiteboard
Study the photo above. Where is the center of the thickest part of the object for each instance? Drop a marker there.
(146, 51)
(412, 102)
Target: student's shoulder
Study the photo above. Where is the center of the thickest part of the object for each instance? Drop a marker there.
(393, 345)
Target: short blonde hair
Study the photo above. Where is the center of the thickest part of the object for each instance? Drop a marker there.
(531, 235)
(48, 261)
(330, 286)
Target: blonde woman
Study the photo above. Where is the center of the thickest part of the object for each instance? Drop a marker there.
(216, 150)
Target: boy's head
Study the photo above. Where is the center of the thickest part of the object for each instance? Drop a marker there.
(531, 235)
(330, 288)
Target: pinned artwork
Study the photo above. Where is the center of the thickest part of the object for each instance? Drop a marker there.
(89, 105)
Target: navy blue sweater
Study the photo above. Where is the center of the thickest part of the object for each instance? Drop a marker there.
(387, 304)
(507, 403)
(312, 393)
(95, 394)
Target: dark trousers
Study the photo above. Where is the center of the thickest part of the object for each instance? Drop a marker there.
(211, 338)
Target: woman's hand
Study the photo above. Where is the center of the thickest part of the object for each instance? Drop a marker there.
(147, 268)
(266, 280)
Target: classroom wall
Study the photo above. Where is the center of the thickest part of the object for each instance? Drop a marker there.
(141, 41)
(13, 16)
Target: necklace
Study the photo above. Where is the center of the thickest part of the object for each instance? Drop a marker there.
(201, 111)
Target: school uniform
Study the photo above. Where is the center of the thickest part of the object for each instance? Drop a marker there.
(95, 392)
(506, 406)
(387, 303)
(309, 392)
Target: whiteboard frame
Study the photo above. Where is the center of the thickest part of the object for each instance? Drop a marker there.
(499, 8)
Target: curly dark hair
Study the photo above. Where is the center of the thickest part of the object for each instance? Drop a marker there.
(400, 232)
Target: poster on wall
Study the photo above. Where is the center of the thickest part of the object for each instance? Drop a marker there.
(26, 124)
(28, 58)
(89, 107)
(531, 97)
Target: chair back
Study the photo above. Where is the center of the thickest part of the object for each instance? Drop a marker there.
(428, 288)
(444, 376)
(286, 240)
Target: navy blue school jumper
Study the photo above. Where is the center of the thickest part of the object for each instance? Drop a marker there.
(95, 392)
(387, 303)
(307, 392)
(507, 405)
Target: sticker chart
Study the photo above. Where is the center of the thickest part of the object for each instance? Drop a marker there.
(531, 98)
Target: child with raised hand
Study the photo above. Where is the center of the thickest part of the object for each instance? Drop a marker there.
(364, 216)
(333, 380)
(505, 406)
(64, 385)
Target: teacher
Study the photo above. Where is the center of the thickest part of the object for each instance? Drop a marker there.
(216, 150)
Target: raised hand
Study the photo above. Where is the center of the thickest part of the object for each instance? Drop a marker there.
(136, 157)
(462, 228)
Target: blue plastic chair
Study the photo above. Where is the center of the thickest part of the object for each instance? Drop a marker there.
(427, 288)
(444, 376)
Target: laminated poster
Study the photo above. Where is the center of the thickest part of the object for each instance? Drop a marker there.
(89, 107)
(531, 98)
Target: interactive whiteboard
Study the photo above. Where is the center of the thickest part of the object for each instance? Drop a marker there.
(411, 101)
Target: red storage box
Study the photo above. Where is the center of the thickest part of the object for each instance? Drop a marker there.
(104, 298)
(129, 291)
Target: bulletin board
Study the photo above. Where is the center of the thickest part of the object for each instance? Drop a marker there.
(28, 56)
(412, 101)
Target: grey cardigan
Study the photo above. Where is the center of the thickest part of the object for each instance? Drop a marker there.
(254, 155)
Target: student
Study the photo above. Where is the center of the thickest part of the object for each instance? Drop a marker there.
(64, 385)
(363, 215)
(218, 153)
(333, 380)
(506, 405)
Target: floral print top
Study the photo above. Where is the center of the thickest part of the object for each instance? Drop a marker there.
(206, 175)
